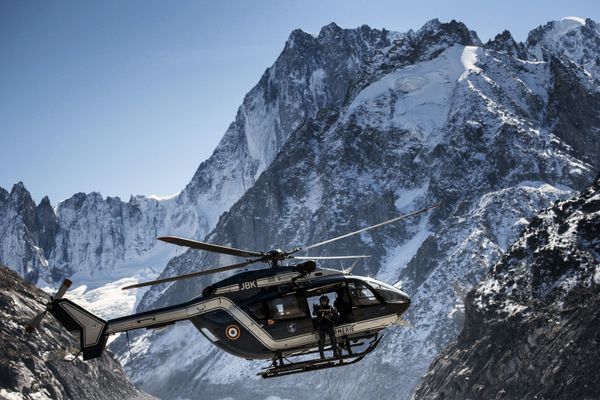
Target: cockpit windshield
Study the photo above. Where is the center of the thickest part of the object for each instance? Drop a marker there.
(389, 293)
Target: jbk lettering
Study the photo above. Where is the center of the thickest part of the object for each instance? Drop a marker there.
(248, 285)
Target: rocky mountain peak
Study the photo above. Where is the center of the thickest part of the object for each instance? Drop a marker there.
(46, 226)
(432, 25)
(572, 39)
(21, 196)
(23, 202)
(427, 43)
(329, 31)
(299, 37)
(45, 202)
(531, 326)
(453, 32)
(19, 187)
(337, 39)
(504, 42)
(555, 30)
(75, 202)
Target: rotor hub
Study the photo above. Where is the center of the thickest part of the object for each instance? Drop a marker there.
(277, 255)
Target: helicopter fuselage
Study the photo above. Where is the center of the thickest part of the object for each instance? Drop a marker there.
(257, 314)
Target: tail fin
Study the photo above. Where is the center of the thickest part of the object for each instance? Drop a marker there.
(91, 329)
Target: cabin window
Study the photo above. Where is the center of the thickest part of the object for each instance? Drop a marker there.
(258, 310)
(286, 307)
(361, 295)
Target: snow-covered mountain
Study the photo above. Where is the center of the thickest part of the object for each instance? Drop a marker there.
(531, 326)
(490, 131)
(346, 129)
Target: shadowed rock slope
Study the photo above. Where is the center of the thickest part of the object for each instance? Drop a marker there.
(531, 327)
(33, 366)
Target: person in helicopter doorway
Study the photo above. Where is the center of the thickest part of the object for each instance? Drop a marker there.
(343, 306)
(326, 317)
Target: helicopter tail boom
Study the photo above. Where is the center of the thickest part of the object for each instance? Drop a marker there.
(94, 331)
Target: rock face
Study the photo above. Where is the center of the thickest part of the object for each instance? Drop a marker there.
(531, 326)
(349, 128)
(435, 117)
(27, 232)
(32, 366)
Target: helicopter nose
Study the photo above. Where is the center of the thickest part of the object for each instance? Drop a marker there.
(403, 306)
(403, 302)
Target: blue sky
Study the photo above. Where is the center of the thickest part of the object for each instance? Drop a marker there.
(129, 97)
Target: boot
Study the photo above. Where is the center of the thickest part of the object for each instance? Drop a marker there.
(321, 346)
(337, 352)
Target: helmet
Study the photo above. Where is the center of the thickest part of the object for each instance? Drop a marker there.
(324, 298)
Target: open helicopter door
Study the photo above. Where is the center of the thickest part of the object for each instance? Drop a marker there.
(339, 298)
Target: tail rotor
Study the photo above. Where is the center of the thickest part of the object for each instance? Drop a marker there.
(34, 323)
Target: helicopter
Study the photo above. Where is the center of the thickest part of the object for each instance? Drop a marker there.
(260, 314)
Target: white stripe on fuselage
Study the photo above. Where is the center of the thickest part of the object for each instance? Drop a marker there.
(260, 283)
(225, 304)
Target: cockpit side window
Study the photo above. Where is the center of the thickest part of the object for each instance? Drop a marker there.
(286, 307)
(361, 295)
(258, 310)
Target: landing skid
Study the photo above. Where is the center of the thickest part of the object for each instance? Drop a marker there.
(318, 363)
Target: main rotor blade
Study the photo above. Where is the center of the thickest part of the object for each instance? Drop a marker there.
(312, 246)
(194, 244)
(329, 257)
(193, 274)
